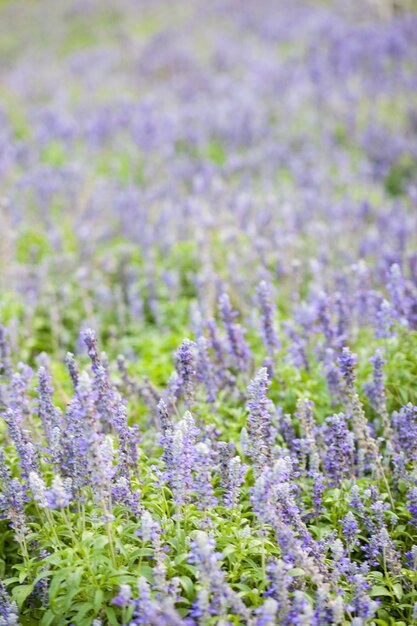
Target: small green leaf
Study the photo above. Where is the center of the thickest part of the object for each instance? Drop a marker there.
(20, 593)
(379, 590)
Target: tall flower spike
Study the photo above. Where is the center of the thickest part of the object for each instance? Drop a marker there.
(179, 475)
(238, 348)
(268, 310)
(9, 615)
(12, 501)
(73, 369)
(338, 456)
(235, 478)
(186, 369)
(396, 289)
(364, 438)
(47, 411)
(205, 370)
(259, 424)
(221, 598)
(375, 392)
(384, 321)
(266, 614)
(5, 361)
(405, 431)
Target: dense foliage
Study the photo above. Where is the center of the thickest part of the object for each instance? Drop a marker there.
(222, 196)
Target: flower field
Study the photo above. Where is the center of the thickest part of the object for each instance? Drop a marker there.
(208, 313)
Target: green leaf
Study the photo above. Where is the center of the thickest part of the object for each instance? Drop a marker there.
(48, 618)
(98, 599)
(188, 586)
(379, 590)
(111, 616)
(398, 590)
(20, 593)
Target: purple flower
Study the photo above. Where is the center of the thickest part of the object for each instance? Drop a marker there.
(238, 348)
(123, 597)
(183, 455)
(5, 361)
(205, 370)
(405, 431)
(350, 530)
(9, 615)
(266, 614)
(59, 495)
(235, 477)
(73, 369)
(268, 309)
(375, 390)
(338, 455)
(347, 364)
(219, 597)
(185, 363)
(259, 427)
(384, 321)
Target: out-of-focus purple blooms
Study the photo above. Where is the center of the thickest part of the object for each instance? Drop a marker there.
(319, 487)
(268, 312)
(210, 576)
(362, 605)
(350, 530)
(367, 446)
(214, 341)
(150, 612)
(235, 477)
(266, 614)
(59, 495)
(405, 431)
(185, 363)
(203, 466)
(167, 428)
(73, 369)
(5, 360)
(38, 488)
(412, 504)
(24, 447)
(123, 495)
(90, 340)
(205, 369)
(338, 455)
(396, 290)
(259, 423)
(19, 400)
(238, 348)
(274, 503)
(279, 587)
(123, 597)
(179, 475)
(384, 323)
(48, 413)
(129, 438)
(149, 528)
(301, 613)
(322, 607)
(324, 319)
(306, 443)
(9, 615)
(12, 501)
(101, 467)
(333, 375)
(225, 453)
(375, 390)
(297, 347)
(347, 364)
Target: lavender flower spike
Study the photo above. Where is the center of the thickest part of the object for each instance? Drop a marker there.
(259, 427)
